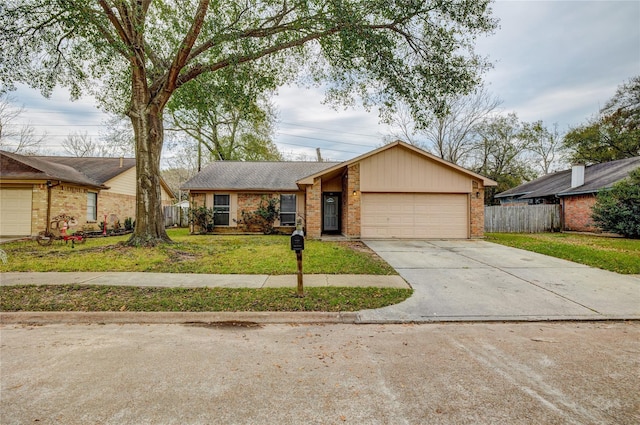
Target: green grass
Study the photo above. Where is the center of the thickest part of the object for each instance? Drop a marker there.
(219, 254)
(613, 254)
(112, 298)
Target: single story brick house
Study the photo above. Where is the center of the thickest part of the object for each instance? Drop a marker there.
(33, 188)
(575, 190)
(396, 191)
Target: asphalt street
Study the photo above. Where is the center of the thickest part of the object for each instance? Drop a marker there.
(481, 373)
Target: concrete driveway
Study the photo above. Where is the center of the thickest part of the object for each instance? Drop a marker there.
(460, 280)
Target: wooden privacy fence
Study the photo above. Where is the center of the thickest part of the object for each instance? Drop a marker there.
(176, 216)
(522, 218)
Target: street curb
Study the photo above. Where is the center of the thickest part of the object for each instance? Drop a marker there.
(116, 317)
(247, 318)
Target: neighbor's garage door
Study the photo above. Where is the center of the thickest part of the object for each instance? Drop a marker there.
(414, 215)
(15, 212)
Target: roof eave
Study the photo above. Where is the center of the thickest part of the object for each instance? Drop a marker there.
(579, 192)
(242, 189)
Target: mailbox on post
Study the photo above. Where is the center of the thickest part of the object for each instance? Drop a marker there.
(297, 240)
(297, 245)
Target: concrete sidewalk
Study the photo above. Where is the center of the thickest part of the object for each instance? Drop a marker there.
(189, 280)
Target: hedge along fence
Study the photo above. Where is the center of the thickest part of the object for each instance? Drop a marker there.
(522, 218)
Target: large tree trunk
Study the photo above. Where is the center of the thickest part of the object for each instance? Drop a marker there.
(149, 134)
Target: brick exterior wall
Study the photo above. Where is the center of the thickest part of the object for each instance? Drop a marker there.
(38, 208)
(352, 208)
(577, 213)
(249, 202)
(198, 199)
(69, 200)
(313, 211)
(477, 213)
(123, 206)
(72, 200)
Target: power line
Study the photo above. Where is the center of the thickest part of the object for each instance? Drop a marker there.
(329, 129)
(325, 140)
(313, 147)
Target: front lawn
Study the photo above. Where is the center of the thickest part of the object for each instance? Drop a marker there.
(615, 254)
(218, 254)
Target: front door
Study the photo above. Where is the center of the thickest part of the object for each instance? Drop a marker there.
(331, 213)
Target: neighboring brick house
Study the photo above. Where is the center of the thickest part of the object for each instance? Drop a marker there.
(575, 190)
(396, 191)
(33, 188)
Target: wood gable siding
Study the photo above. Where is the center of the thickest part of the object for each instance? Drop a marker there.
(401, 170)
(124, 183)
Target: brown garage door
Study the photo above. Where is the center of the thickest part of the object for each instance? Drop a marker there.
(15, 212)
(414, 215)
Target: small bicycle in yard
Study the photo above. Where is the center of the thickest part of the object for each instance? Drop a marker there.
(57, 230)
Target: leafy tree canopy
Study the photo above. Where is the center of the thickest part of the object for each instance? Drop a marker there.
(615, 134)
(618, 209)
(232, 121)
(499, 154)
(134, 54)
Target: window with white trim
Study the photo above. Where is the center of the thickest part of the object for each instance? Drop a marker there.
(287, 210)
(221, 210)
(92, 206)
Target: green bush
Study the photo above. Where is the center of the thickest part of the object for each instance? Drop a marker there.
(263, 218)
(202, 217)
(617, 210)
(129, 223)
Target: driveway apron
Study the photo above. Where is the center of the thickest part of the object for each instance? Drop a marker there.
(471, 280)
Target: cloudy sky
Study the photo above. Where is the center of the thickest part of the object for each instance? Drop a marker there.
(556, 61)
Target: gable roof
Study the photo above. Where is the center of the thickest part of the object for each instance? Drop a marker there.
(486, 181)
(240, 175)
(99, 169)
(596, 178)
(21, 167)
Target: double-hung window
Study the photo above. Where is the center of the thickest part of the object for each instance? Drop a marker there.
(287, 210)
(92, 206)
(221, 210)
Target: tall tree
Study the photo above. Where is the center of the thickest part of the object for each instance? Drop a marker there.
(83, 146)
(230, 122)
(500, 154)
(615, 134)
(136, 53)
(448, 129)
(118, 137)
(14, 137)
(545, 144)
(115, 141)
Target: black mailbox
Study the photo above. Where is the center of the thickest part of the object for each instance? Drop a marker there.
(297, 240)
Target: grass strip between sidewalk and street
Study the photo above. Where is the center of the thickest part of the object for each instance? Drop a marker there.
(618, 255)
(118, 298)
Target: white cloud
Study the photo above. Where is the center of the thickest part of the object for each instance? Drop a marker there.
(559, 61)
(58, 116)
(556, 61)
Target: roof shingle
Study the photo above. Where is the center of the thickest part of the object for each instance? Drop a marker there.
(596, 178)
(237, 175)
(93, 172)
